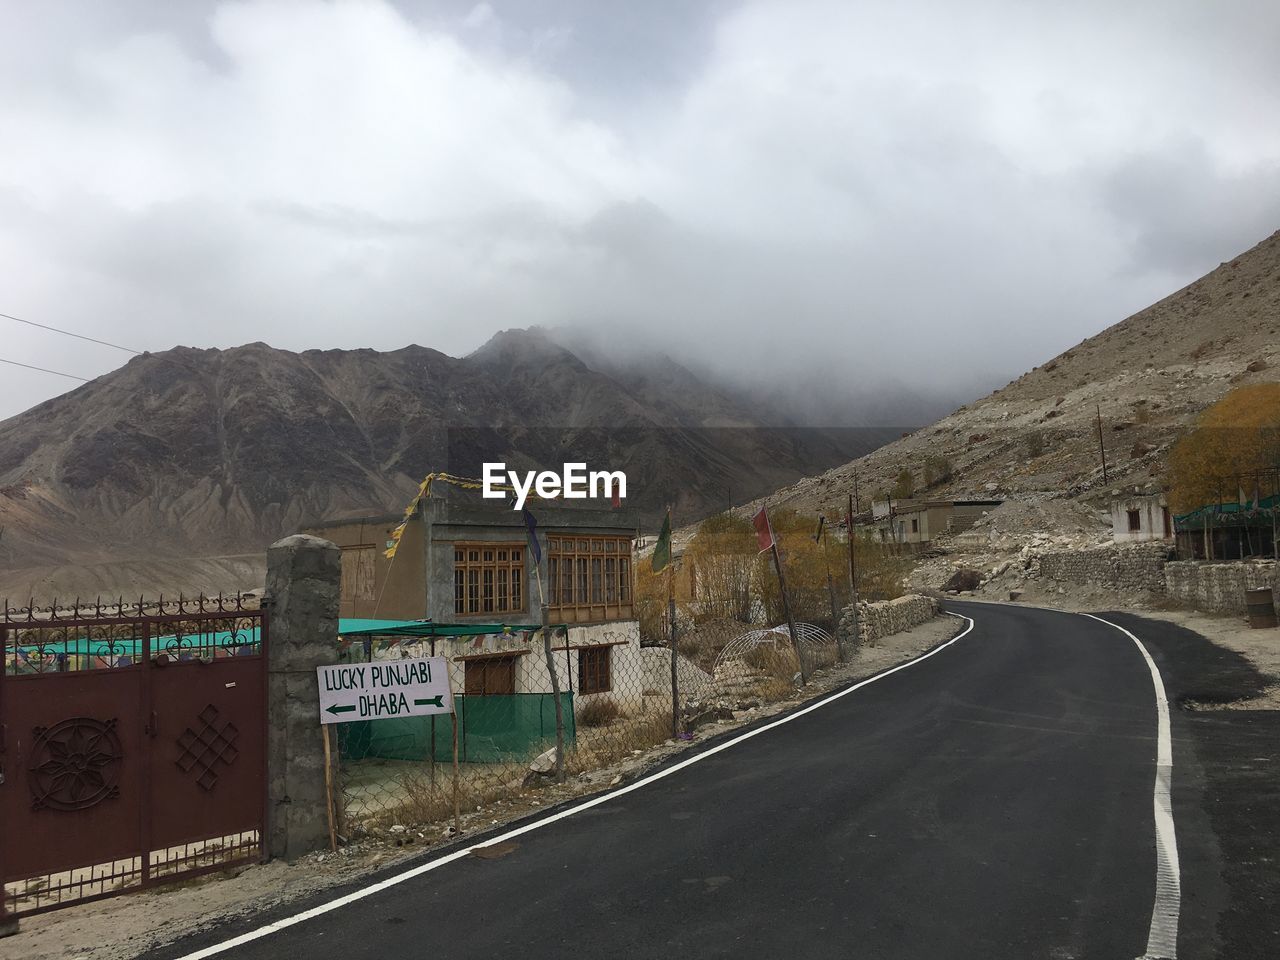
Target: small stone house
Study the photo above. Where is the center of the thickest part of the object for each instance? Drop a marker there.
(1141, 518)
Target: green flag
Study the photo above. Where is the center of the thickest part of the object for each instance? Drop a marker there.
(662, 552)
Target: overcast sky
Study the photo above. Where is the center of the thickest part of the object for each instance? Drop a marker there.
(925, 192)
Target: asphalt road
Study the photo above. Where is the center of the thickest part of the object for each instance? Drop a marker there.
(992, 801)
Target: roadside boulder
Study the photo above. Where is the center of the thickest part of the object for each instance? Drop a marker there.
(963, 580)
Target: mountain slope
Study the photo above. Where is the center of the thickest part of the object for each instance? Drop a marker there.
(1148, 376)
(215, 453)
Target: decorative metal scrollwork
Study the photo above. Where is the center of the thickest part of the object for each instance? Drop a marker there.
(74, 764)
(213, 743)
(100, 610)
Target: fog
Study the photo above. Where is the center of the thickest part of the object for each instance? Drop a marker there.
(920, 199)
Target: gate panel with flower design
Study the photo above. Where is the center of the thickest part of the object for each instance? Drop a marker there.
(132, 746)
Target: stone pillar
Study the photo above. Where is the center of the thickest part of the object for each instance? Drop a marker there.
(303, 576)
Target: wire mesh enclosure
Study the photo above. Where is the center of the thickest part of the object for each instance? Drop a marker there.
(617, 698)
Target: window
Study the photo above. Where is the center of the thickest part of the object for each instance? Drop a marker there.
(489, 676)
(1135, 521)
(915, 525)
(1168, 522)
(488, 578)
(357, 573)
(590, 577)
(593, 670)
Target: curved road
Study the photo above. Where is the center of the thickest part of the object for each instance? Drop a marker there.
(991, 801)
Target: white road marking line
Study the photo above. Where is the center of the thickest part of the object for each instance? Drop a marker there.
(418, 871)
(1162, 940)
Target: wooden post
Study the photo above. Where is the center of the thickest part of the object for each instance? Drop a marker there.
(457, 826)
(675, 674)
(786, 609)
(328, 789)
(853, 571)
(555, 680)
(1101, 448)
(831, 593)
(1275, 503)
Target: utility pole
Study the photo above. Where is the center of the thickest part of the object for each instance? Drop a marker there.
(1102, 449)
(853, 572)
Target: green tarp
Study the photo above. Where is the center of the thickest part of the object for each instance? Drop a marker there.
(1228, 514)
(248, 637)
(491, 729)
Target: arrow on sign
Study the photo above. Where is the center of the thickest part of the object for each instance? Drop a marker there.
(335, 709)
(437, 701)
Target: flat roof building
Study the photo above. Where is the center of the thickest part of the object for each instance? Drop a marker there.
(460, 556)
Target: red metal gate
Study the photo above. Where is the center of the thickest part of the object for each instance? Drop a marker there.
(132, 746)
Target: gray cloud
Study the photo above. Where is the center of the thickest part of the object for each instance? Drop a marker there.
(802, 190)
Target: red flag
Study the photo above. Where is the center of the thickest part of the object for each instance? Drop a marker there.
(764, 530)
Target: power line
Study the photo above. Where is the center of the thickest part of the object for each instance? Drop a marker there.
(56, 373)
(68, 333)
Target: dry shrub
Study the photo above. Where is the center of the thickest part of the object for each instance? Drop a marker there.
(601, 746)
(420, 800)
(703, 642)
(773, 660)
(598, 712)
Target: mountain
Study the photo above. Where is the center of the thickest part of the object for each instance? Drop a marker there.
(213, 454)
(1146, 378)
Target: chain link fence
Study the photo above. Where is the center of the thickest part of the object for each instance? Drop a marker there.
(618, 697)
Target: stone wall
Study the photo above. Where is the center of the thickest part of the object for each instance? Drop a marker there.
(1219, 587)
(1126, 569)
(885, 617)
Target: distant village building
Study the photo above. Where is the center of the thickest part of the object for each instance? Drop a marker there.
(1141, 517)
(465, 561)
(920, 521)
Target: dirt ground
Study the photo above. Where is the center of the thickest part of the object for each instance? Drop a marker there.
(1259, 647)
(128, 925)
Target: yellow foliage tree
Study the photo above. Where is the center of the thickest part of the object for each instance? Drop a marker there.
(807, 563)
(721, 557)
(1236, 437)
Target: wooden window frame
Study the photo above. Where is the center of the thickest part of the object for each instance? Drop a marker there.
(595, 668)
(482, 669)
(1135, 521)
(355, 557)
(596, 572)
(489, 578)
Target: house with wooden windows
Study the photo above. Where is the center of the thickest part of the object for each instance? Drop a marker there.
(464, 562)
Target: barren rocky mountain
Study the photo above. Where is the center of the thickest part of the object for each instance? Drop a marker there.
(174, 468)
(1148, 376)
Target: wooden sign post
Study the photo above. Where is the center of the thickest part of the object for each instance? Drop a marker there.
(416, 687)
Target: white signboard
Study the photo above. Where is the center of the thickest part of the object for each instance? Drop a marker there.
(384, 688)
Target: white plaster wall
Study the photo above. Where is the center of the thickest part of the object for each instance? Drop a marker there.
(1151, 518)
